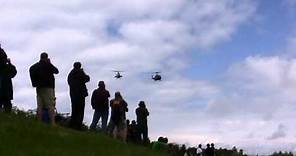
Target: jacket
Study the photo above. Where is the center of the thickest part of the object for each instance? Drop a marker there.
(99, 99)
(118, 110)
(7, 72)
(42, 74)
(76, 80)
(142, 114)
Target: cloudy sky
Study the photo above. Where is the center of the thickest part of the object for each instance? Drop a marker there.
(228, 66)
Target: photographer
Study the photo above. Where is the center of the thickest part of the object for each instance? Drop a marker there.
(7, 72)
(42, 77)
(78, 91)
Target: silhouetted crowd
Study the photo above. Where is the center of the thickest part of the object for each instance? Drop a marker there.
(43, 80)
(280, 153)
(162, 145)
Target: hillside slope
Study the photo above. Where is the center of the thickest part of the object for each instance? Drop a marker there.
(24, 136)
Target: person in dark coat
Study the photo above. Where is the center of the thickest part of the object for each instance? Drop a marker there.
(133, 132)
(142, 114)
(78, 91)
(100, 103)
(212, 150)
(7, 72)
(207, 151)
(42, 78)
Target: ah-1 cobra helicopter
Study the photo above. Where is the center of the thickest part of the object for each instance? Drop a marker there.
(117, 75)
(156, 76)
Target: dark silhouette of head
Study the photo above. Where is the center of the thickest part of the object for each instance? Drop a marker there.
(183, 147)
(118, 95)
(77, 65)
(3, 56)
(165, 140)
(128, 122)
(208, 145)
(43, 56)
(212, 145)
(1, 50)
(160, 139)
(199, 145)
(101, 84)
(142, 104)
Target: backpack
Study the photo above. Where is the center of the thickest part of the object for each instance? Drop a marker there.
(116, 115)
(34, 74)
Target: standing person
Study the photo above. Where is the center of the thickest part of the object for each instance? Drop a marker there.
(182, 151)
(100, 103)
(160, 145)
(199, 150)
(133, 129)
(142, 114)
(42, 77)
(187, 153)
(78, 91)
(7, 72)
(208, 150)
(117, 123)
(212, 150)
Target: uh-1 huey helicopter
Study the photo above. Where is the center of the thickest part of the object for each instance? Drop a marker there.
(156, 76)
(118, 74)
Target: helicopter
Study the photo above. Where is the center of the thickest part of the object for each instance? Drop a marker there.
(118, 75)
(156, 76)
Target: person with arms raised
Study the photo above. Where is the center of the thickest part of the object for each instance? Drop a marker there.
(7, 72)
(42, 78)
(78, 91)
(142, 114)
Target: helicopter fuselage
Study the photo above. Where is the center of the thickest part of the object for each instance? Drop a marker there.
(156, 78)
(118, 75)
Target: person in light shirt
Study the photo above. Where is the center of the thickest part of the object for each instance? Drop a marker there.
(199, 150)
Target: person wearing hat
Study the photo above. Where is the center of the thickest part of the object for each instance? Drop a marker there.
(78, 91)
(7, 72)
(100, 103)
(142, 114)
(42, 77)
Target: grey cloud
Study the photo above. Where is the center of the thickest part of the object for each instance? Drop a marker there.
(214, 21)
(279, 133)
(267, 82)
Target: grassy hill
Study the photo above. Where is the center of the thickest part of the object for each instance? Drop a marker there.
(24, 136)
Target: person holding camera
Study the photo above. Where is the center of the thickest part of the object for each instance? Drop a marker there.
(42, 77)
(7, 72)
(78, 91)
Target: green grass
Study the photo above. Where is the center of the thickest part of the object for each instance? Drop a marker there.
(24, 136)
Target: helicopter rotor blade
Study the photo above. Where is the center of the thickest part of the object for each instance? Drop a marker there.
(117, 71)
